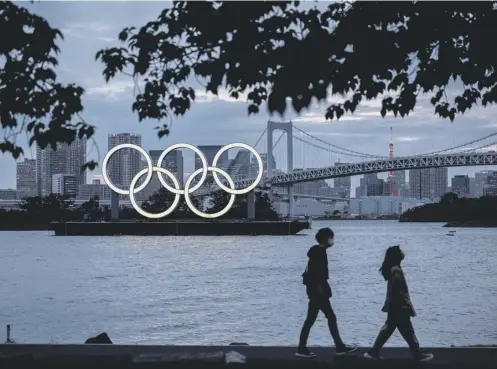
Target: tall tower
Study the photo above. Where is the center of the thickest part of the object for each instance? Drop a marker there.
(391, 176)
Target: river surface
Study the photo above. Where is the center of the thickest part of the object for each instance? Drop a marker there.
(217, 290)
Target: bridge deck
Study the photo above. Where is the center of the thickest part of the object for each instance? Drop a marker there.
(124, 356)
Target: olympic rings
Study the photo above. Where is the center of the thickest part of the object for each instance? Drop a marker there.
(189, 201)
(176, 189)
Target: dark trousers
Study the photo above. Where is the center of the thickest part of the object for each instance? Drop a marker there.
(403, 323)
(312, 313)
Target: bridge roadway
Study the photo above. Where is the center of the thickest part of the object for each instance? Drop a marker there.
(142, 356)
(384, 165)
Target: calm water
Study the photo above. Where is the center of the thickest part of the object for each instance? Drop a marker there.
(216, 290)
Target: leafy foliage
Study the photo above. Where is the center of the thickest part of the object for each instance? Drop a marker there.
(263, 205)
(162, 199)
(452, 208)
(275, 51)
(31, 99)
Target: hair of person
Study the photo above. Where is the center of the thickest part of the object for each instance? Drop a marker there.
(392, 258)
(323, 234)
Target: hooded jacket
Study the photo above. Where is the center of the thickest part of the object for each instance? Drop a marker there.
(398, 299)
(316, 275)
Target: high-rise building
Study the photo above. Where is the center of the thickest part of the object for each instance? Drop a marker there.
(239, 168)
(480, 182)
(8, 194)
(209, 152)
(490, 188)
(314, 188)
(125, 163)
(472, 187)
(428, 183)
(26, 178)
(460, 185)
(173, 162)
(371, 185)
(64, 184)
(89, 191)
(67, 159)
(343, 184)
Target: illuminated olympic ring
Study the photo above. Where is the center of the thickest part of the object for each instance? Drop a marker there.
(176, 189)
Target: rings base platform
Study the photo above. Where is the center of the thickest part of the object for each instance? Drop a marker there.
(181, 228)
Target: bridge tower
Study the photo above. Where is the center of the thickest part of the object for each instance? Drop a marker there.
(288, 128)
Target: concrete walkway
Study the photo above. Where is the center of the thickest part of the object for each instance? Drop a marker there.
(141, 356)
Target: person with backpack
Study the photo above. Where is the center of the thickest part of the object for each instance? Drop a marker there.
(315, 278)
(398, 306)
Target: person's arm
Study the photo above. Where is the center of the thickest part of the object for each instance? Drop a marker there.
(397, 289)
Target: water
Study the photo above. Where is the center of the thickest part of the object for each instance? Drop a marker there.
(217, 290)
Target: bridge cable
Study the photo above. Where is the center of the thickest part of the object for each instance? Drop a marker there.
(462, 145)
(338, 152)
(338, 147)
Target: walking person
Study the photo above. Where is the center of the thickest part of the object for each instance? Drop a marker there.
(398, 306)
(315, 278)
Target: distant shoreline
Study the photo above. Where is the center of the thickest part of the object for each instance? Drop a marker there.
(472, 224)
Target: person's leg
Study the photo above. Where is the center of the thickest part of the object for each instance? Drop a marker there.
(385, 333)
(327, 310)
(312, 313)
(407, 331)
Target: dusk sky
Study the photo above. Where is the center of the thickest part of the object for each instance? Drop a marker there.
(91, 26)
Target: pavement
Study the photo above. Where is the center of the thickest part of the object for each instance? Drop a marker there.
(142, 356)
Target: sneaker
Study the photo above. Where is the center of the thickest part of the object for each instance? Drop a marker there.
(372, 355)
(304, 352)
(345, 350)
(425, 357)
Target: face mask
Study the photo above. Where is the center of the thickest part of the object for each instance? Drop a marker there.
(330, 242)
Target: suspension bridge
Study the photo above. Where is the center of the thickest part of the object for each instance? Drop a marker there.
(309, 158)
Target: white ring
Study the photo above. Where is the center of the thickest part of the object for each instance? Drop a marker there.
(106, 160)
(187, 191)
(169, 210)
(204, 167)
(259, 163)
(189, 201)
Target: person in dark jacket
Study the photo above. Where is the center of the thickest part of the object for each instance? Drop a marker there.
(315, 278)
(398, 307)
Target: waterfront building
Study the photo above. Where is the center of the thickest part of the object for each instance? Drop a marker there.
(490, 188)
(428, 183)
(481, 182)
(343, 184)
(8, 194)
(89, 191)
(64, 184)
(460, 185)
(374, 206)
(302, 207)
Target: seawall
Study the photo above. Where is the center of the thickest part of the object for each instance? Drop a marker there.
(141, 356)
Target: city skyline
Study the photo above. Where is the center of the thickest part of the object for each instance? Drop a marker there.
(427, 184)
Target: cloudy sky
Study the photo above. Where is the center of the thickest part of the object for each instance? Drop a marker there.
(91, 26)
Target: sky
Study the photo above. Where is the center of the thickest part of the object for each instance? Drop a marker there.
(91, 26)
